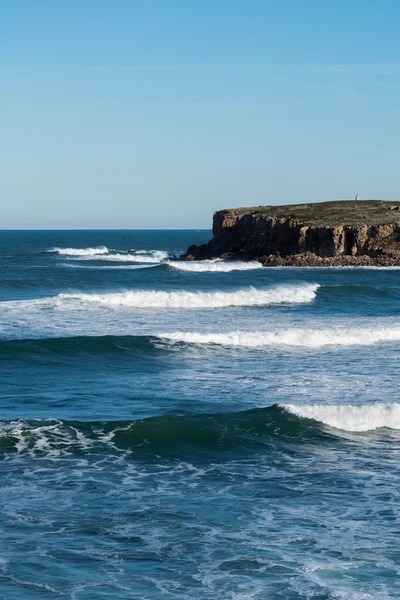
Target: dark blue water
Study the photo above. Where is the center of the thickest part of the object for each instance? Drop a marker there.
(201, 430)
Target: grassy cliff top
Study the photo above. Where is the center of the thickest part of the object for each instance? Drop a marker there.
(334, 213)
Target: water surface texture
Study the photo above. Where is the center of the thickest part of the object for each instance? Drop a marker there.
(207, 430)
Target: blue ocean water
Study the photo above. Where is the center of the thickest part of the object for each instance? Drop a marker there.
(195, 430)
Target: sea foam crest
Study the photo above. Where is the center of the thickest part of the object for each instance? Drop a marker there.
(350, 417)
(215, 266)
(182, 299)
(302, 338)
(150, 257)
(81, 251)
(46, 436)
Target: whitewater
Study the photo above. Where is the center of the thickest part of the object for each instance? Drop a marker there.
(198, 299)
(349, 417)
(215, 266)
(104, 254)
(205, 429)
(87, 252)
(301, 338)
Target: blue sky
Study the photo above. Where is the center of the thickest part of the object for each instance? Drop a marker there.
(155, 113)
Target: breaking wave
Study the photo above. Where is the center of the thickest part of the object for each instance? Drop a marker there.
(215, 266)
(304, 338)
(349, 417)
(152, 257)
(86, 345)
(173, 435)
(104, 254)
(100, 250)
(169, 435)
(109, 267)
(183, 299)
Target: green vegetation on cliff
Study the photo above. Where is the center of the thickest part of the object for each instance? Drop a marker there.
(328, 214)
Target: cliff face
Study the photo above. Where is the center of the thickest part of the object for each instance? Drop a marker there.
(328, 231)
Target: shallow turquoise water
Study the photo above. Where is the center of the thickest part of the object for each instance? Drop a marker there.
(223, 433)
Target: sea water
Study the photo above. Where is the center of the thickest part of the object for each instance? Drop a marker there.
(205, 430)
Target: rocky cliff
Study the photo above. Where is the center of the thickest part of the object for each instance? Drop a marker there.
(322, 233)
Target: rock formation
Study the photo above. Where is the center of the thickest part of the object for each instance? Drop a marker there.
(327, 233)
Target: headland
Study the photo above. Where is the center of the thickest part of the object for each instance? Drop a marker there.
(336, 233)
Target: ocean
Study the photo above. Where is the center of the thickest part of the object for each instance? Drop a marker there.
(212, 430)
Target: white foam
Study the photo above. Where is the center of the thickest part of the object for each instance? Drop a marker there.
(214, 266)
(125, 267)
(350, 417)
(103, 253)
(304, 338)
(81, 251)
(182, 299)
(48, 436)
(151, 257)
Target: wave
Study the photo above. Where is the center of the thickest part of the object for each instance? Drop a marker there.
(290, 294)
(109, 267)
(302, 338)
(131, 344)
(173, 435)
(102, 253)
(169, 435)
(77, 346)
(350, 417)
(151, 257)
(100, 250)
(214, 266)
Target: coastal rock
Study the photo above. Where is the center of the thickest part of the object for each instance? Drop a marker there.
(320, 234)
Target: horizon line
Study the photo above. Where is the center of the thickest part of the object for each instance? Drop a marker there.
(108, 229)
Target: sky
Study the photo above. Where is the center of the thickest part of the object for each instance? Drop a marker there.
(155, 113)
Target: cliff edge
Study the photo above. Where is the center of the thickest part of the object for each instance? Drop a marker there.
(325, 233)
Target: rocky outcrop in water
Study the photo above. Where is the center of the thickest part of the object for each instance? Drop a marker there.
(320, 234)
